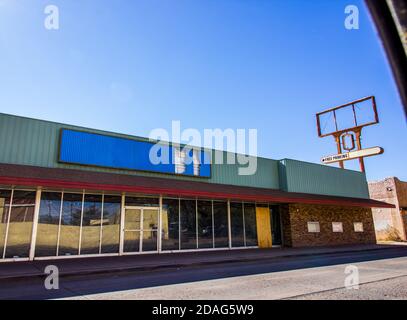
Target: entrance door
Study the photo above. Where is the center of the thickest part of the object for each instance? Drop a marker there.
(140, 229)
(263, 227)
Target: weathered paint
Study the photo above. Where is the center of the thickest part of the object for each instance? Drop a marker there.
(263, 227)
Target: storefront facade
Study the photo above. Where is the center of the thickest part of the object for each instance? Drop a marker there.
(59, 202)
(49, 224)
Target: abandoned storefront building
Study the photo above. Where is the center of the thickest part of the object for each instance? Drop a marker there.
(72, 191)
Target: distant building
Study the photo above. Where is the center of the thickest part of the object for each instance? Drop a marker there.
(390, 223)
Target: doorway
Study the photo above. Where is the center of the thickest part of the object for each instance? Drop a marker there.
(140, 232)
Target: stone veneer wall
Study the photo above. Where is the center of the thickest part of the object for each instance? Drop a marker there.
(295, 231)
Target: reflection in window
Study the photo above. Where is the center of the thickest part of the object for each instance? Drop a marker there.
(205, 234)
(142, 201)
(70, 224)
(91, 224)
(150, 228)
(170, 224)
(236, 216)
(20, 224)
(111, 224)
(48, 222)
(4, 207)
(188, 224)
(250, 224)
(132, 229)
(220, 215)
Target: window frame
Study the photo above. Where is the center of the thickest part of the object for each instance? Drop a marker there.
(313, 223)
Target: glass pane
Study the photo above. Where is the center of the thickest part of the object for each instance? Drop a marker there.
(236, 216)
(111, 224)
(131, 241)
(70, 224)
(205, 234)
(150, 219)
(220, 215)
(170, 224)
(149, 240)
(250, 224)
(188, 224)
(132, 226)
(19, 233)
(132, 220)
(48, 222)
(275, 225)
(91, 224)
(142, 202)
(24, 197)
(4, 207)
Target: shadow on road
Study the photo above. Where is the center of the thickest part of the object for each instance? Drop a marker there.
(73, 286)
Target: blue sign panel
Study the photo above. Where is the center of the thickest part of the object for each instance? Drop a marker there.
(92, 149)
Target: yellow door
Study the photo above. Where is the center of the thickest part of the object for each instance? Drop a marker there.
(263, 227)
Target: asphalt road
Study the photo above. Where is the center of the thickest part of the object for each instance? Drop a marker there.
(382, 275)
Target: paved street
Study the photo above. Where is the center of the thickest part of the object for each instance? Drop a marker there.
(383, 275)
(393, 288)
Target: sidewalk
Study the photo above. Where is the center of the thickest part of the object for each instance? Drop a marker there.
(148, 262)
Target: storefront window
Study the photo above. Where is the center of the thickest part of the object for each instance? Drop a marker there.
(250, 224)
(91, 224)
(205, 224)
(111, 224)
(220, 215)
(170, 224)
(275, 225)
(132, 230)
(48, 224)
(70, 224)
(4, 207)
(188, 224)
(236, 216)
(142, 201)
(20, 224)
(150, 229)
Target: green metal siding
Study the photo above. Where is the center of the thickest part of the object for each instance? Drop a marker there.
(266, 175)
(34, 142)
(299, 176)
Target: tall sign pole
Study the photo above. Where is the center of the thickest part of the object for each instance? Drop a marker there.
(346, 136)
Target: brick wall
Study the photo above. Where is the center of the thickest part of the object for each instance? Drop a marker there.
(296, 216)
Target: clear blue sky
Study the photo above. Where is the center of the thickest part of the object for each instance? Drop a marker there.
(132, 66)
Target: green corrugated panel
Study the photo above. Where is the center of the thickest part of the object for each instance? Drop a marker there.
(266, 175)
(299, 176)
(35, 142)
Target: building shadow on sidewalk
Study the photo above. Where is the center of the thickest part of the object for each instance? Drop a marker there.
(75, 286)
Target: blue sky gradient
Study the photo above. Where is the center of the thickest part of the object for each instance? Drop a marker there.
(133, 66)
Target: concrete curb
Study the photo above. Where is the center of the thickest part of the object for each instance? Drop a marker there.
(167, 266)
